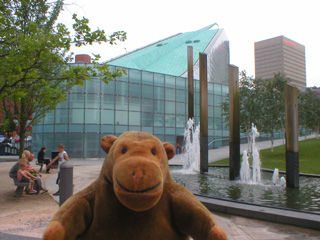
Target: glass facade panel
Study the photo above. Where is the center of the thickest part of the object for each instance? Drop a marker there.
(107, 102)
(181, 121)
(134, 104)
(76, 128)
(147, 78)
(61, 116)
(134, 76)
(78, 89)
(217, 89)
(92, 128)
(158, 120)
(76, 100)
(159, 93)
(180, 96)
(181, 83)
(217, 112)
(180, 108)
(122, 88)
(225, 89)
(91, 144)
(134, 118)
(76, 116)
(121, 118)
(92, 101)
(121, 103)
(170, 94)
(92, 116)
(158, 107)
(49, 118)
(107, 117)
(93, 86)
(159, 80)
(210, 99)
(170, 108)
(135, 90)
(108, 88)
(147, 105)
(170, 120)
(147, 91)
(147, 119)
(170, 81)
(217, 100)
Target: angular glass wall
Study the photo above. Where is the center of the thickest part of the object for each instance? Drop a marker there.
(140, 101)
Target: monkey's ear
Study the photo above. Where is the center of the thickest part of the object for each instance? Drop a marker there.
(107, 141)
(170, 150)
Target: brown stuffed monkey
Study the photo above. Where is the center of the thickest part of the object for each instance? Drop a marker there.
(134, 197)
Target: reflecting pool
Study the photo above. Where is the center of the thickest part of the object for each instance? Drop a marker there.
(216, 184)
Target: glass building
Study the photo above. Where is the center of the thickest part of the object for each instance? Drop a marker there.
(152, 97)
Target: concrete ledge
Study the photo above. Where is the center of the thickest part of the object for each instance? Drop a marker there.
(277, 215)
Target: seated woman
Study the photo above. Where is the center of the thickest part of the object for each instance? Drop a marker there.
(29, 156)
(24, 176)
(44, 160)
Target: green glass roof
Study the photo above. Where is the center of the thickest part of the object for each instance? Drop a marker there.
(168, 56)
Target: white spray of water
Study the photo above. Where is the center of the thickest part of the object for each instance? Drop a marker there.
(245, 172)
(283, 182)
(191, 155)
(275, 177)
(256, 163)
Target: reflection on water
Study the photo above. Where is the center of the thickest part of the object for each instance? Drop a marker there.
(217, 184)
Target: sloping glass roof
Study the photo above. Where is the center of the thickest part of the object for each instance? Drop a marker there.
(168, 56)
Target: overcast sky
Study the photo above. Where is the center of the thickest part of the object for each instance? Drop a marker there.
(244, 21)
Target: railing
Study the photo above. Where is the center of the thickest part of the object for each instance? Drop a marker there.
(226, 141)
(7, 150)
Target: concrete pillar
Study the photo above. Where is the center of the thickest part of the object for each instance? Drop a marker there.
(203, 113)
(234, 123)
(190, 83)
(292, 146)
(66, 182)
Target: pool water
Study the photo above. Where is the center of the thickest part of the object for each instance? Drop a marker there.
(216, 184)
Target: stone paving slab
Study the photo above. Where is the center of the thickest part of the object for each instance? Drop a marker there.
(276, 215)
(5, 236)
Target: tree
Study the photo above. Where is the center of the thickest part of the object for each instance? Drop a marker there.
(250, 109)
(272, 105)
(309, 110)
(35, 73)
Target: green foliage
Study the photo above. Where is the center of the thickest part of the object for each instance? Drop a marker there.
(35, 69)
(309, 110)
(8, 125)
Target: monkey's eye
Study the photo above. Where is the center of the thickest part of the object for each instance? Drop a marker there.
(124, 150)
(153, 152)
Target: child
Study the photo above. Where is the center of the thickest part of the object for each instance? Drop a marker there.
(23, 175)
(63, 157)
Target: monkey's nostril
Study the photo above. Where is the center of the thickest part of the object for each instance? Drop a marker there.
(133, 174)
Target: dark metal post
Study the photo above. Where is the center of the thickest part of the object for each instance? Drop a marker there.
(190, 83)
(66, 182)
(292, 147)
(234, 122)
(203, 113)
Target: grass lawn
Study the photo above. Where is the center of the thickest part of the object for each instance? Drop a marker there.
(309, 157)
